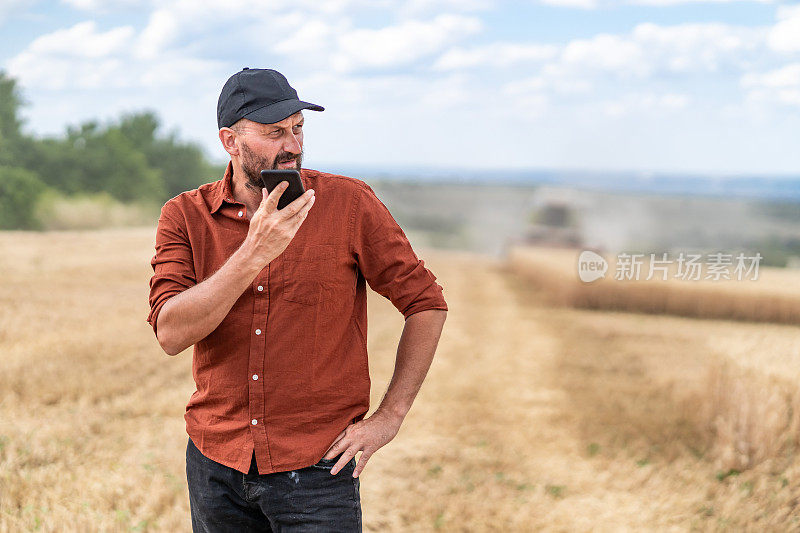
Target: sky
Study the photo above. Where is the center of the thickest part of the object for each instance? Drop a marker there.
(674, 86)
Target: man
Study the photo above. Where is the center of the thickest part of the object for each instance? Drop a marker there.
(274, 302)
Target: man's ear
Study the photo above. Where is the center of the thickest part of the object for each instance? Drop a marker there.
(228, 139)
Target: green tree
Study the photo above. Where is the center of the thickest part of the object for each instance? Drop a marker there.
(183, 165)
(20, 190)
(13, 144)
(94, 159)
(127, 158)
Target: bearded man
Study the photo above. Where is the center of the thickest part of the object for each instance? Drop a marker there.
(274, 303)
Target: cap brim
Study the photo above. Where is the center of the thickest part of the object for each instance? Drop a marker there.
(280, 110)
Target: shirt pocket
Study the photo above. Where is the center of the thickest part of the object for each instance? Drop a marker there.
(303, 270)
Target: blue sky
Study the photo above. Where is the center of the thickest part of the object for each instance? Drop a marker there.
(646, 85)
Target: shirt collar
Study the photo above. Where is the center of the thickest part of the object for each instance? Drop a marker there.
(222, 190)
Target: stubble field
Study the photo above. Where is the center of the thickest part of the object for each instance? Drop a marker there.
(533, 416)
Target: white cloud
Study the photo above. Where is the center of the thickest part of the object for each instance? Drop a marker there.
(650, 48)
(82, 40)
(81, 57)
(594, 4)
(448, 92)
(588, 73)
(778, 86)
(785, 35)
(787, 76)
(100, 5)
(638, 102)
(789, 97)
(581, 4)
(403, 93)
(401, 44)
(678, 2)
(159, 33)
(698, 46)
(606, 52)
(312, 37)
(781, 85)
(416, 7)
(496, 55)
(236, 23)
(553, 79)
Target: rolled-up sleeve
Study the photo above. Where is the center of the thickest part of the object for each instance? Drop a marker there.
(387, 261)
(173, 265)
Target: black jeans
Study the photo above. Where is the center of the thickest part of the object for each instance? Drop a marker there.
(308, 499)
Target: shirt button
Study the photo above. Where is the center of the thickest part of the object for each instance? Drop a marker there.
(260, 288)
(254, 421)
(241, 213)
(258, 332)
(255, 377)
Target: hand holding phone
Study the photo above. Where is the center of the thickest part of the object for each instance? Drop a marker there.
(271, 178)
(272, 229)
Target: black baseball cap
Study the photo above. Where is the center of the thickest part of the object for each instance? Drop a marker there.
(261, 95)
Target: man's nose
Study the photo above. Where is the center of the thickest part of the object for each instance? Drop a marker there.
(292, 144)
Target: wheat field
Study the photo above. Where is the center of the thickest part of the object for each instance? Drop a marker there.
(774, 296)
(533, 417)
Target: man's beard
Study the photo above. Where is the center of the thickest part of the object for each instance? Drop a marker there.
(252, 165)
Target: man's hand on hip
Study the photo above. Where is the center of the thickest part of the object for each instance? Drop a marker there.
(367, 436)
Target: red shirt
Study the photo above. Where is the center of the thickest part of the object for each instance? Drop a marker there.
(286, 370)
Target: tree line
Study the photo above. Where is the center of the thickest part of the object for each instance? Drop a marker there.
(128, 158)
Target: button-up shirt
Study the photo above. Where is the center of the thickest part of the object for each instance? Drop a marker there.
(286, 370)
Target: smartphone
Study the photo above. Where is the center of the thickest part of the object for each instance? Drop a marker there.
(272, 178)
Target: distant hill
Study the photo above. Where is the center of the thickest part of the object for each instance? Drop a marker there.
(745, 186)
